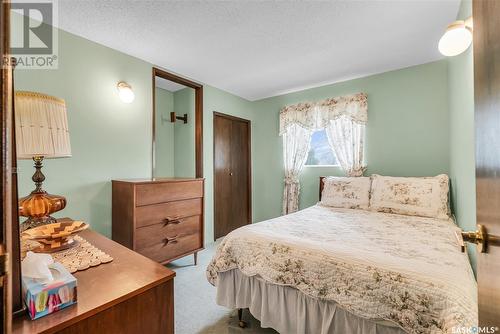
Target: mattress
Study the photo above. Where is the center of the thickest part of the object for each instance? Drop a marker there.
(407, 270)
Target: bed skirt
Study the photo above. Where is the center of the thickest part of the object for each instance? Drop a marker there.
(289, 311)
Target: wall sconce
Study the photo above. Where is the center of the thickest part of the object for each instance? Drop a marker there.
(125, 92)
(457, 38)
(173, 117)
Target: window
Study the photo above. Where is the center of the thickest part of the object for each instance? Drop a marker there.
(320, 153)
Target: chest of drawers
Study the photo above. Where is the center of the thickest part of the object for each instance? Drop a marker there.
(129, 295)
(161, 219)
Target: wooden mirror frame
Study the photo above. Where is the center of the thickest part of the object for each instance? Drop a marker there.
(198, 127)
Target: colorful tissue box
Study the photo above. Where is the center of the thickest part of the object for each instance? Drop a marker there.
(42, 299)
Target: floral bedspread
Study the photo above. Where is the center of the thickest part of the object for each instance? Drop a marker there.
(404, 269)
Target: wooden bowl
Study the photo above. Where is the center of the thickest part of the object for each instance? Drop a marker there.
(56, 236)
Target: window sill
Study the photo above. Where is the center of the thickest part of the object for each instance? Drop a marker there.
(324, 166)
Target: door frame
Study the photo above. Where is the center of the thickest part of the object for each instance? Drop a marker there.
(249, 166)
(6, 222)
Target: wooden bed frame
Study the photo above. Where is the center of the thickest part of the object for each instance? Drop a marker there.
(321, 185)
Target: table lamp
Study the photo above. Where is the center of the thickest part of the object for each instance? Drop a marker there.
(41, 133)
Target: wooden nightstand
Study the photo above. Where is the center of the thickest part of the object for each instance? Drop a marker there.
(132, 294)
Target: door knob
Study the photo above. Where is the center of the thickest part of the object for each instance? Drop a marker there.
(474, 237)
(230, 173)
(479, 237)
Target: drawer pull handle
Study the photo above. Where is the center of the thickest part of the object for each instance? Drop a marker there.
(168, 221)
(171, 240)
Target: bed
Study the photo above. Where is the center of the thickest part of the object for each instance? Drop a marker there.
(343, 270)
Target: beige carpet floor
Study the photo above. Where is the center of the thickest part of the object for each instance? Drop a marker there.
(195, 307)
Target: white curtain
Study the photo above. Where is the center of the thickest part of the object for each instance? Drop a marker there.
(317, 115)
(296, 144)
(344, 119)
(346, 138)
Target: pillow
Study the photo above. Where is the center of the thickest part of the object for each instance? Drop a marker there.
(346, 192)
(412, 196)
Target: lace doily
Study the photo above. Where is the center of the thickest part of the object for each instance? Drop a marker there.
(80, 257)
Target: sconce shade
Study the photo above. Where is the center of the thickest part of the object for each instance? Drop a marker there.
(41, 126)
(456, 39)
(125, 92)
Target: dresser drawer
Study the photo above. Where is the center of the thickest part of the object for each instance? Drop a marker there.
(162, 251)
(158, 213)
(165, 192)
(161, 219)
(154, 234)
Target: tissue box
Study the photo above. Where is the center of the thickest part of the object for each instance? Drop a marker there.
(42, 299)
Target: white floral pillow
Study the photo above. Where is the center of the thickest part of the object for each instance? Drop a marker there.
(412, 196)
(346, 192)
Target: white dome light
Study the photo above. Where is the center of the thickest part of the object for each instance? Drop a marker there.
(456, 39)
(125, 92)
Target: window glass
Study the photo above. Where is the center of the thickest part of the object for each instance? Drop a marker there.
(320, 153)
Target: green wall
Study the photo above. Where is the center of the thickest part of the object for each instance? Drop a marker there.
(184, 135)
(164, 132)
(406, 135)
(462, 162)
(222, 102)
(174, 142)
(109, 139)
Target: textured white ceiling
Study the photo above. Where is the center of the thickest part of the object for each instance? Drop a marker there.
(168, 85)
(258, 49)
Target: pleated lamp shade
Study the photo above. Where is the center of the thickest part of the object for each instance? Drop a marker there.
(41, 126)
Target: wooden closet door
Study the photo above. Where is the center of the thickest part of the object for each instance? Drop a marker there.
(239, 174)
(232, 197)
(222, 179)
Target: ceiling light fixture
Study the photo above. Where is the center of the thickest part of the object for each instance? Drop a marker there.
(457, 38)
(125, 92)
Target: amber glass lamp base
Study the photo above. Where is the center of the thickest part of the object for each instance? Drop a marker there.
(38, 205)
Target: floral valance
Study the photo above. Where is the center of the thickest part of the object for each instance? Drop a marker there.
(317, 115)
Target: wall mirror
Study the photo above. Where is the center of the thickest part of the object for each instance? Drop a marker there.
(177, 126)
